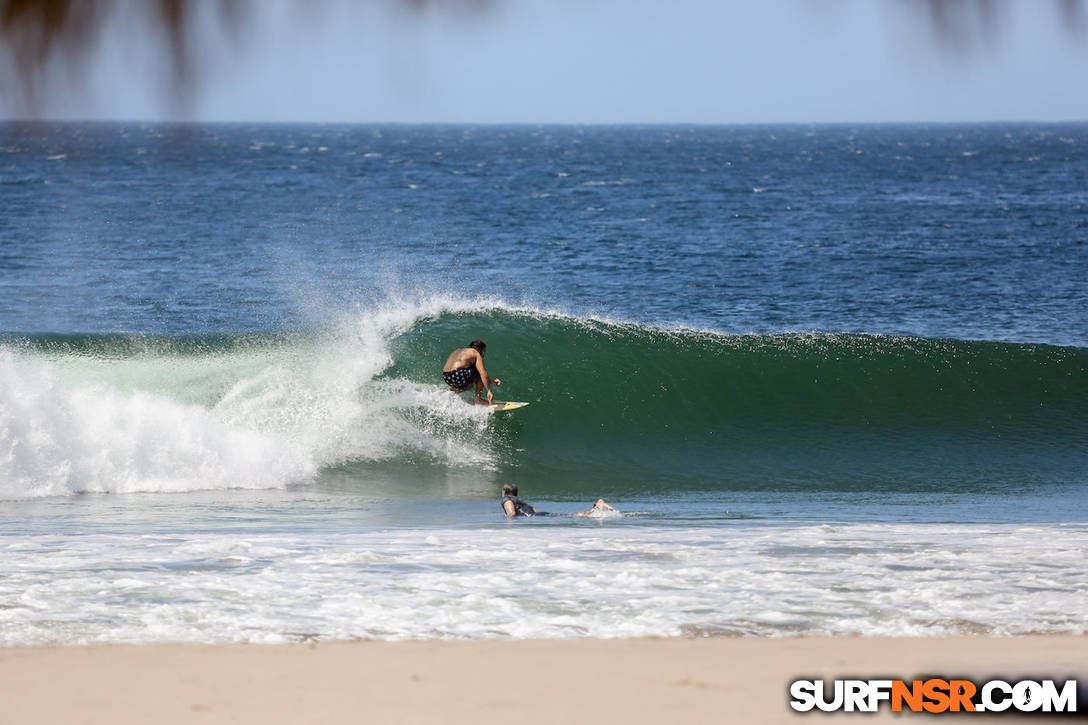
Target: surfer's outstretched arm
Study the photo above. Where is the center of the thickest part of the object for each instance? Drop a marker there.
(484, 381)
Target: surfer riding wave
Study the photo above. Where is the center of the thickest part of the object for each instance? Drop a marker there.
(464, 369)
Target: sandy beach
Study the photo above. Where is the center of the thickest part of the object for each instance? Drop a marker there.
(534, 681)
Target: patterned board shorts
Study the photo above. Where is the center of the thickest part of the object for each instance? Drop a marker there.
(461, 378)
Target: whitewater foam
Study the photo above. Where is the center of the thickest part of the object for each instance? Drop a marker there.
(268, 414)
(58, 439)
(571, 578)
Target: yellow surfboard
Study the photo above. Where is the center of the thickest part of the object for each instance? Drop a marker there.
(504, 405)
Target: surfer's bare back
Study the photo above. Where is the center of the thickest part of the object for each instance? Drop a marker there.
(465, 368)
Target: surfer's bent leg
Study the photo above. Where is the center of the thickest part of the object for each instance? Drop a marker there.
(599, 505)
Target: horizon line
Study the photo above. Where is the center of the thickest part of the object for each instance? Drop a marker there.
(223, 122)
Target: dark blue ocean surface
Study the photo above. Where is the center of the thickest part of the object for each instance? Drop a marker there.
(969, 232)
(838, 308)
(835, 378)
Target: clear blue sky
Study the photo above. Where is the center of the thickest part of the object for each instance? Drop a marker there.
(604, 61)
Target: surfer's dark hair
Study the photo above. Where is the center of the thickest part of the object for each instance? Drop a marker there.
(478, 345)
(509, 489)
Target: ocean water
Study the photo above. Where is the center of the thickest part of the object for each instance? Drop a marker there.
(835, 378)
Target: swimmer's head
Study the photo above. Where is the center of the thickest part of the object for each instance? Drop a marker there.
(479, 346)
(509, 489)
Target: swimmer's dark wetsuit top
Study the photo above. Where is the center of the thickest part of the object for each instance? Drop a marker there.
(521, 508)
(461, 378)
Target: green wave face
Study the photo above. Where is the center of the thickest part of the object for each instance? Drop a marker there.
(622, 409)
(618, 410)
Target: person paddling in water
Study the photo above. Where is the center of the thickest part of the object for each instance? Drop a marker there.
(465, 368)
(514, 506)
